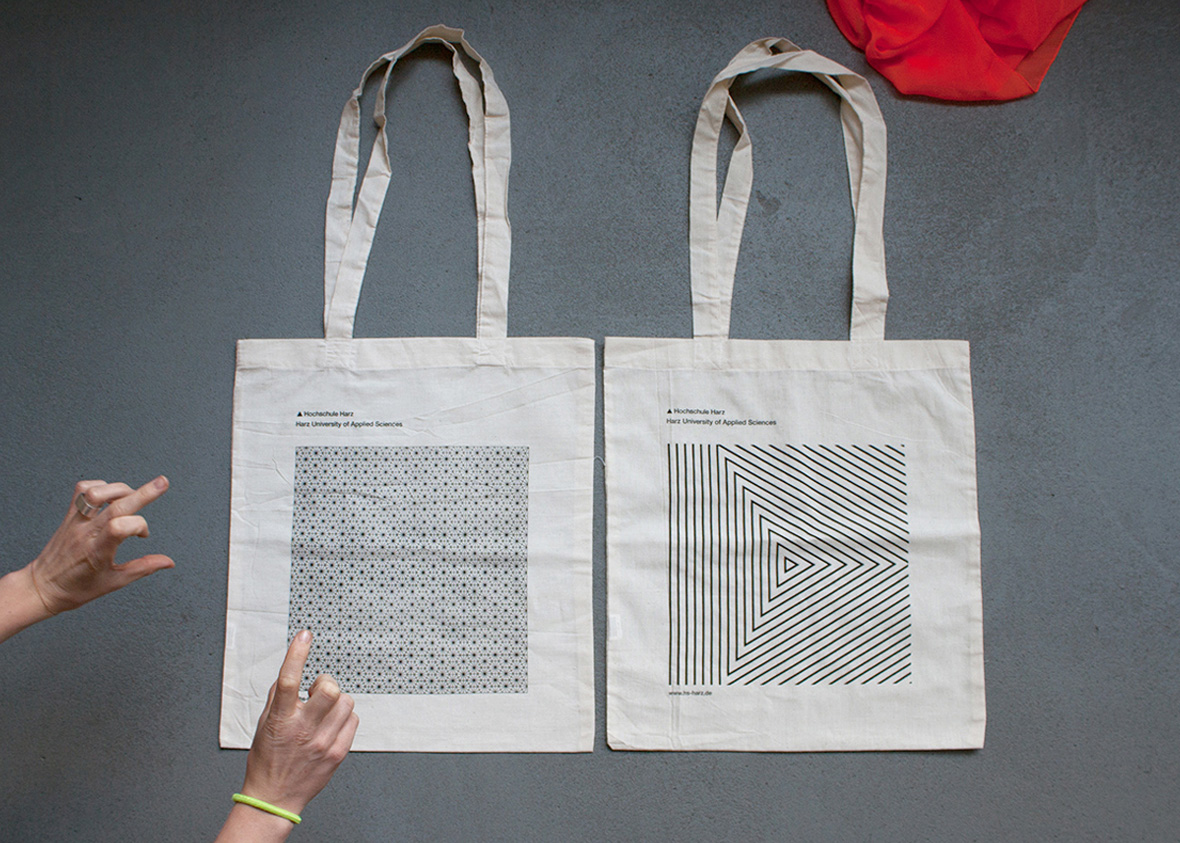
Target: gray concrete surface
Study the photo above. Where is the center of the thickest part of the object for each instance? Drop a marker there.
(164, 169)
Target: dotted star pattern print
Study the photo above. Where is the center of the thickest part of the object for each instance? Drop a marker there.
(410, 564)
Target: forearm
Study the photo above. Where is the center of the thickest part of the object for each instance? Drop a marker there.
(249, 825)
(20, 605)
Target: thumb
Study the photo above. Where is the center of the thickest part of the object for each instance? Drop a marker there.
(144, 565)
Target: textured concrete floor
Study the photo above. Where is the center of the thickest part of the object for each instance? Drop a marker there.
(164, 170)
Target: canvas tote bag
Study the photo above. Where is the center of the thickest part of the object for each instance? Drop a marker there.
(422, 505)
(792, 531)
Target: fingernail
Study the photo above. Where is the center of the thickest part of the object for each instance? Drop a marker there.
(304, 636)
(161, 482)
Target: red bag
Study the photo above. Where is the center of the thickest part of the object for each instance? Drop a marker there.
(959, 49)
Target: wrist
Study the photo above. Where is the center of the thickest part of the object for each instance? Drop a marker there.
(268, 807)
(21, 605)
(249, 824)
(41, 589)
(273, 796)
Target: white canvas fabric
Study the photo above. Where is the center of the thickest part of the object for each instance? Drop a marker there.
(793, 555)
(423, 505)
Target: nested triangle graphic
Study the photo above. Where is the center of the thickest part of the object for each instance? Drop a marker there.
(788, 565)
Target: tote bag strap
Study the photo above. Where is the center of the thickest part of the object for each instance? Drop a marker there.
(349, 229)
(715, 230)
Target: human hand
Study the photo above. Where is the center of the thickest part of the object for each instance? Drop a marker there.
(78, 564)
(298, 745)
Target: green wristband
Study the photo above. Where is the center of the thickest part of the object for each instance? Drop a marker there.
(266, 806)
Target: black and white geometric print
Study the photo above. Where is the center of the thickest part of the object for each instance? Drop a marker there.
(409, 565)
(788, 565)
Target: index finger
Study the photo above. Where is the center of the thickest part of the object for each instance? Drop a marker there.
(287, 687)
(141, 497)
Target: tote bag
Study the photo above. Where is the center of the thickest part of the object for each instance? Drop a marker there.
(792, 531)
(422, 505)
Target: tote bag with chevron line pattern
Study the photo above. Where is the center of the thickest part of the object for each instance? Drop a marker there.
(793, 557)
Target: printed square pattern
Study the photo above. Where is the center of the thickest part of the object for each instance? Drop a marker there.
(409, 565)
(788, 565)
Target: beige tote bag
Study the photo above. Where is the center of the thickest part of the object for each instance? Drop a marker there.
(793, 555)
(422, 505)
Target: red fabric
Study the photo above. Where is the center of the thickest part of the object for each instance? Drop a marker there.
(959, 49)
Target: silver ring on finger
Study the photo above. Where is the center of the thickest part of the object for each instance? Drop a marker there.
(85, 507)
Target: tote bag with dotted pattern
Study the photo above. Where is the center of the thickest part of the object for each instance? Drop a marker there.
(422, 505)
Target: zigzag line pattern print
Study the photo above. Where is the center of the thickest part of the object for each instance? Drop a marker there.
(788, 565)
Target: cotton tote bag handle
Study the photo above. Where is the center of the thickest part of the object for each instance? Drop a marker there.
(349, 229)
(715, 230)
